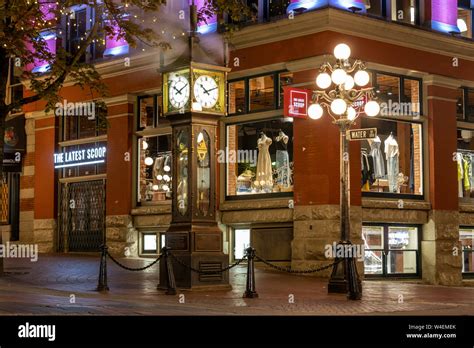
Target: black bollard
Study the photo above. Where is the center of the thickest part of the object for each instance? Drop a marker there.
(102, 286)
(250, 287)
(355, 288)
(170, 282)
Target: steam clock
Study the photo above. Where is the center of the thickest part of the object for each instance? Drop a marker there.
(194, 99)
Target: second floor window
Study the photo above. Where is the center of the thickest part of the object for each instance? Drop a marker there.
(79, 127)
(465, 105)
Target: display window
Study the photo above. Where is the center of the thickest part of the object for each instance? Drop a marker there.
(466, 236)
(258, 93)
(150, 112)
(390, 250)
(465, 163)
(392, 163)
(154, 169)
(259, 157)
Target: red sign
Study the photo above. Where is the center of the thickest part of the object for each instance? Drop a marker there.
(296, 101)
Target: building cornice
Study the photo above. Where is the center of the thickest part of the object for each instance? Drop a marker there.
(356, 25)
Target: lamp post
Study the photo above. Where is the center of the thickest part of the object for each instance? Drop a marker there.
(338, 95)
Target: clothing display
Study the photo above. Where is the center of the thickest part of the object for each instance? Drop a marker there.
(391, 154)
(376, 153)
(465, 164)
(367, 165)
(282, 160)
(264, 162)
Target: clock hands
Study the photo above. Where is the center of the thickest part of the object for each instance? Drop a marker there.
(182, 88)
(207, 90)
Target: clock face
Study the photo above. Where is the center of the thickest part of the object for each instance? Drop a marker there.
(178, 91)
(206, 91)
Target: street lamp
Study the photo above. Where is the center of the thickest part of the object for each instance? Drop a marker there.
(343, 102)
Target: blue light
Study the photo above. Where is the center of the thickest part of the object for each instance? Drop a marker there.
(41, 69)
(309, 5)
(444, 28)
(207, 28)
(116, 51)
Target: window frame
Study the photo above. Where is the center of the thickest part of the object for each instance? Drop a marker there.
(465, 99)
(465, 274)
(385, 275)
(276, 87)
(157, 114)
(256, 195)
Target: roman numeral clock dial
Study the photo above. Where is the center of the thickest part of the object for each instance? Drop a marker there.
(206, 91)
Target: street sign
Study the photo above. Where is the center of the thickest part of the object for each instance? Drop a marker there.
(361, 134)
(296, 101)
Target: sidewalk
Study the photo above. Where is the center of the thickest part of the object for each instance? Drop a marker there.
(48, 287)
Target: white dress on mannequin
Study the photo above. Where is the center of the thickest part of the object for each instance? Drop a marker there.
(264, 162)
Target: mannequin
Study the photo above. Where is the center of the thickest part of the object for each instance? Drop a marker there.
(391, 154)
(282, 160)
(376, 153)
(264, 162)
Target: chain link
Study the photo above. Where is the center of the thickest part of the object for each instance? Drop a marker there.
(134, 269)
(208, 272)
(289, 270)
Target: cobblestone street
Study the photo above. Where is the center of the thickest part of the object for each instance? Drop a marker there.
(45, 287)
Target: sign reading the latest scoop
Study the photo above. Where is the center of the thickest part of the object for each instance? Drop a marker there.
(79, 157)
(362, 134)
(296, 101)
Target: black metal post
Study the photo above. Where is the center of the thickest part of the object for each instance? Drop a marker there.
(355, 285)
(170, 282)
(250, 291)
(102, 286)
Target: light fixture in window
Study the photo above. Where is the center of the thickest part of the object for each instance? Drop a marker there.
(144, 145)
(166, 177)
(412, 14)
(165, 188)
(155, 187)
(462, 26)
(148, 161)
(159, 177)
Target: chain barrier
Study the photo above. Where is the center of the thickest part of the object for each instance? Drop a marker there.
(289, 270)
(208, 272)
(134, 269)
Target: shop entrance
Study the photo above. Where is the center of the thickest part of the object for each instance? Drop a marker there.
(391, 250)
(82, 216)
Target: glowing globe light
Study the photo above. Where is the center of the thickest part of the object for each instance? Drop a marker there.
(144, 145)
(155, 187)
(315, 111)
(338, 76)
(372, 108)
(351, 113)
(361, 78)
(338, 106)
(342, 51)
(148, 161)
(166, 168)
(323, 80)
(349, 84)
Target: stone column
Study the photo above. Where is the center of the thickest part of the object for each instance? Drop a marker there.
(440, 265)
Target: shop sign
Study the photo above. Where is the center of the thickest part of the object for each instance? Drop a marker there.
(15, 136)
(81, 157)
(12, 161)
(361, 134)
(296, 101)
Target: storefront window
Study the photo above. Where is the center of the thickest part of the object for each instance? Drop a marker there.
(262, 93)
(154, 169)
(84, 167)
(259, 158)
(465, 163)
(83, 126)
(392, 162)
(460, 105)
(237, 97)
(390, 250)
(241, 242)
(286, 79)
(150, 112)
(466, 236)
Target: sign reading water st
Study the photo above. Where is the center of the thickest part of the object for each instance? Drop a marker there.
(361, 134)
(79, 157)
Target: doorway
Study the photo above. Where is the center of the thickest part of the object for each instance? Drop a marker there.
(82, 216)
(391, 250)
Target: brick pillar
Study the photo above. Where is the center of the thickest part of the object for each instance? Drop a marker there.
(441, 234)
(316, 189)
(441, 15)
(119, 226)
(45, 190)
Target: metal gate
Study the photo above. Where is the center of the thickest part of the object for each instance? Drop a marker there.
(82, 216)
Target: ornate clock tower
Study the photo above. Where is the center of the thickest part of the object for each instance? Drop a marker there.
(194, 99)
